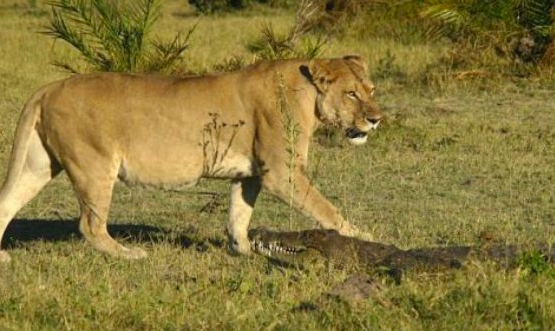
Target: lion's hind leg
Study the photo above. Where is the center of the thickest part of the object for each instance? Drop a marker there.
(94, 192)
(38, 169)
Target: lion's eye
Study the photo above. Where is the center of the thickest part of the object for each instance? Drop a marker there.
(352, 95)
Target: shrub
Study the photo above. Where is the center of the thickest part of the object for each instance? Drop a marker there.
(299, 42)
(486, 37)
(112, 36)
(519, 28)
(214, 6)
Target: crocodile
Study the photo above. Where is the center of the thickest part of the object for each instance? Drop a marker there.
(293, 247)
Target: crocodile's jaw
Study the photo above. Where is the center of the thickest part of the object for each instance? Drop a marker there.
(266, 243)
(275, 248)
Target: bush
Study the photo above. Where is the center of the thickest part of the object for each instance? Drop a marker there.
(497, 36)
(112, 35)
(213, 6)
(299, 42)
(519, 28)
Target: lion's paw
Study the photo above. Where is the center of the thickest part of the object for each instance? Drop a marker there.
(367, 236)
(349, 230)
(242, 247)
(132, 253)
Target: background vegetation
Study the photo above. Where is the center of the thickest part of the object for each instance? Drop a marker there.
(467, 149)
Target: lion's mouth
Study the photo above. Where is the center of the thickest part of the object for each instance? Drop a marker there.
(353, 133)
(356, 136)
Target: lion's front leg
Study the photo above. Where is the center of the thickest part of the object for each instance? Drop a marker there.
(243, 196)
(307, 199)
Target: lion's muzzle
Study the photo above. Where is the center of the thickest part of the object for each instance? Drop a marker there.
(358, 135)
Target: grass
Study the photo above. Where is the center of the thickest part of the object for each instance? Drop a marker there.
(448, 163)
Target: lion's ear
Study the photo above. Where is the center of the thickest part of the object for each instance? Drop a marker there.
(357, 60)
(320, 76)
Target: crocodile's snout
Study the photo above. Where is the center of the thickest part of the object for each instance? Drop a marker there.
(270, 248)
(267, 243)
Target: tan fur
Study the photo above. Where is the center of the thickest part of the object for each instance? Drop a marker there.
(169, 132)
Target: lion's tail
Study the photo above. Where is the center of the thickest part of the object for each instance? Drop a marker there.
(25, 127)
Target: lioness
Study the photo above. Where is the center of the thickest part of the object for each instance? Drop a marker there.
(170, 131)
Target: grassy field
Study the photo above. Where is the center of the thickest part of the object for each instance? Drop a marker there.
(450, 162)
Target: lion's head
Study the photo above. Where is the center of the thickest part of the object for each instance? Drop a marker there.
(345, 96)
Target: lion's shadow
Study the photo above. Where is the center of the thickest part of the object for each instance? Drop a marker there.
(21, 231)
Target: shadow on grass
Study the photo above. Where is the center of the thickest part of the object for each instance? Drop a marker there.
(27, 230)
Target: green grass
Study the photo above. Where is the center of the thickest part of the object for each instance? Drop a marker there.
(449, 163)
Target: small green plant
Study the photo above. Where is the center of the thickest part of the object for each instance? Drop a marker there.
(290, 137)
(234, 63)
(113, 36)
(297, 43)
(217, 139)
(269, 45)
(534, 263)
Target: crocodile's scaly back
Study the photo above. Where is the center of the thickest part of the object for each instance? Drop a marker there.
(294, 246)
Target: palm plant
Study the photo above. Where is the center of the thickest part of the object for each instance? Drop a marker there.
(298, 42)
(456, 18)
(112, 36)
(522, 28)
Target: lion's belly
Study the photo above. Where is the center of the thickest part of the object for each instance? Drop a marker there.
(187, 172)
(232, 165)
(160, 174)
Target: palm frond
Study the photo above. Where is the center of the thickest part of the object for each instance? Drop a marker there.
(59, 29)
(166, 54)
(446, 18)
(534, 15)
(112, 35)
(312, 47)
(270, 45)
